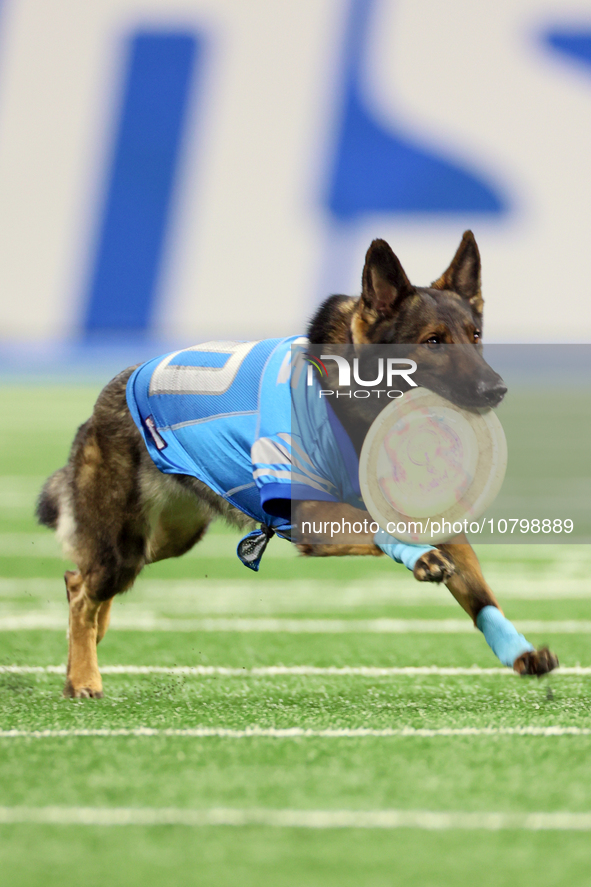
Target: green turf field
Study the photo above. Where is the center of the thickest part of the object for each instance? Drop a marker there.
(286, 739)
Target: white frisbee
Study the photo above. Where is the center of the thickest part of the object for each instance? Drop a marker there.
(427, 464)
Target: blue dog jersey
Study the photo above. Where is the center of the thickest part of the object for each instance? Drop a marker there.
(240, 417)
(247, 419)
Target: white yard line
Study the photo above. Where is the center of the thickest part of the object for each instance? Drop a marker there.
(147, 621)
(430, 820)
(369, 671)
(296, 732)
(273, 597)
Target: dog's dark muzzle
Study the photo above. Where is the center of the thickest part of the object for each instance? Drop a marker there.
(471, 393)
(491, 395)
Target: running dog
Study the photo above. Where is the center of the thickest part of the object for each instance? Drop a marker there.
(197, 435)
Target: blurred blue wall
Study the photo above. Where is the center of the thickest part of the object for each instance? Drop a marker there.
(189, 169)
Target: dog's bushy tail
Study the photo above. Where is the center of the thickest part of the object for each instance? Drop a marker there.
(47, 509)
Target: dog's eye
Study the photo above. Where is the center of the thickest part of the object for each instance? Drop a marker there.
(477, 335)
(434, 340)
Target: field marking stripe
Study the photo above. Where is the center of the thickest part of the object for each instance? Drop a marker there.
(295, 670)
(286, 818)
(295, 732)
(153, 622)
(300, 593)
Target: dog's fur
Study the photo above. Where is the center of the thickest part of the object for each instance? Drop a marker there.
(115, 512)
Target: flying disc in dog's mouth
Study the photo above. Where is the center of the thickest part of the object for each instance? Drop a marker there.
(430, 464)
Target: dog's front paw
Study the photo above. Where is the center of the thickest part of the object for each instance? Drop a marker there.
(537, 662)
(434, 566)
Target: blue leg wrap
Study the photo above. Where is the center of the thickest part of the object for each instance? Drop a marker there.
(401, 552)
(502, 636)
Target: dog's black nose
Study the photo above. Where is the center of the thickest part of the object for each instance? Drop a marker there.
(492, 394)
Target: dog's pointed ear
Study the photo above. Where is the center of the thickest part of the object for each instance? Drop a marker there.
(463, 275)
(384, 283)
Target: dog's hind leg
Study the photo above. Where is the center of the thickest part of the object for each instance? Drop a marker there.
(83, 677)
(181, 522)
(103, 619)
(112, 560)
(90, 595)
(103, 524)
(109, 555)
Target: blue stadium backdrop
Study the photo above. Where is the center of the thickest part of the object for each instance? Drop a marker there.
(186, 169)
